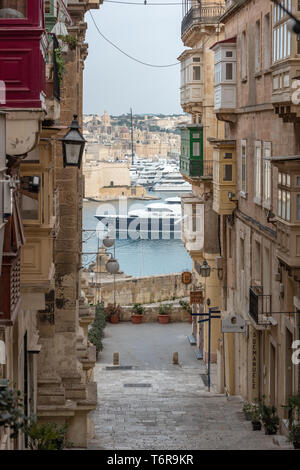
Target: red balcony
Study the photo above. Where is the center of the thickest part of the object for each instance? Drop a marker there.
(22, 46)
(10, 275)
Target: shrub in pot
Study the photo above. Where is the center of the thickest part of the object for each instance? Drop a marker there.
(113, 313)
(137, 313)
(164, 313)
(186, 306)
(256, 416)
(294, 435)
(293, 408)
(247, 410)
(270, 419)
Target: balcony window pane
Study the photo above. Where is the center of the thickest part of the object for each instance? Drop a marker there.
(288, 180)
(228, 75)
(196, 149)
(297, 180)
(283, 211)
(13, 9)
(283, 182)
(279, 178)
(279, 203)
(227, 173)
(228, 156)
(196, 72)
(298, 207)
(196, 59)
(288, 205)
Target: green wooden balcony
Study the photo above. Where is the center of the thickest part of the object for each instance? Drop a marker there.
(196, 168)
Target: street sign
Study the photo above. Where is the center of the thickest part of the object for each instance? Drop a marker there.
(196, 297)
(186, 277)
(233, 324)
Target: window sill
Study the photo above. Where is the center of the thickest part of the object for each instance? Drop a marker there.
(244, 79)
(257, 201)
(244, 195)
(266, 205)
(257, 74)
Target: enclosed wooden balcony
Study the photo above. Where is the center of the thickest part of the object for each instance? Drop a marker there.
(192, 80)
(224, 176)
(192, 162)
(192, 234)
(287, 216)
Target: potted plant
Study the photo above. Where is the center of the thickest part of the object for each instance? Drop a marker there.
(247, 410)
(137, 313)
(164, 313)
(293, 408)
(186, 306)
(270, 419)
(113, 313)
(255, 414)
(294, 435)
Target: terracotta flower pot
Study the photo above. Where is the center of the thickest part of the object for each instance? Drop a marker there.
(114, 319)
(136, 319)
(163, 319)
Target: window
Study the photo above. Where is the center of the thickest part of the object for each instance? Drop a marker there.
(13, 9)
(257, 177)
(30, 197)
(229, 70)
(257, 46)
(227, 176)
(281, 42)
(244, 56)
(228, 156)
(194, 217)
(267, 177)
(243, 166)
(196, 149)
(257, 261)
(217, 74)
(284, 196)
(297, 180)
(242, 253)
(228, 54)
(298, 207)
(267, 42)
(196, 59)
(196, 72)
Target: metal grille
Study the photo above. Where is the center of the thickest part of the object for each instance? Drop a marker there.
(259, 304)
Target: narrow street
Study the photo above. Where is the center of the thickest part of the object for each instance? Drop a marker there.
(149, 403)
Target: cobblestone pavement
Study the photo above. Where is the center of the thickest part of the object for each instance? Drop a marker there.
(157, 405)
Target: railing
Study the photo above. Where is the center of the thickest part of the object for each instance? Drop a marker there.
(196, 168)
(259, 305)
(208, 13)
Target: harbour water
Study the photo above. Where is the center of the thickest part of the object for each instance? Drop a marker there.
(137, 257)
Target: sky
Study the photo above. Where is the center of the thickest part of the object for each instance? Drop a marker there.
(114, 82)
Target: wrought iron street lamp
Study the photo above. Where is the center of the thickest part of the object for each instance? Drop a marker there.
(205, 269)
(73, 145)
(112, 266)
(108, 242)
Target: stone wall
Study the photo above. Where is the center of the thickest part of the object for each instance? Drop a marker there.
(144, 290)
(151, 311)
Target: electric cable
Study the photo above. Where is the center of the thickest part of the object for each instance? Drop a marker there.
(125, 53)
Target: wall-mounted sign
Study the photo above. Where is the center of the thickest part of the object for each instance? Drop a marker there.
(233, 324)
(186, 277)
(196, 297)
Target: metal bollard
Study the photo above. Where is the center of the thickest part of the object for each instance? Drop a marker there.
(175, 358)
(116, 359)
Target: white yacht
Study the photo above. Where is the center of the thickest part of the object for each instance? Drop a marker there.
(159, 220)
(172, 182)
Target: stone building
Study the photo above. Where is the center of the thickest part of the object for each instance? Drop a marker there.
(200, 29)
(256, 195)
(43, 313)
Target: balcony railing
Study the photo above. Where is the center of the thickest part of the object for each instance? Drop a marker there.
(196, 168)
(259, 305)
(208, 13)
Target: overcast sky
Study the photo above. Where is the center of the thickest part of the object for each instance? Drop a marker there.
(114, 82)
